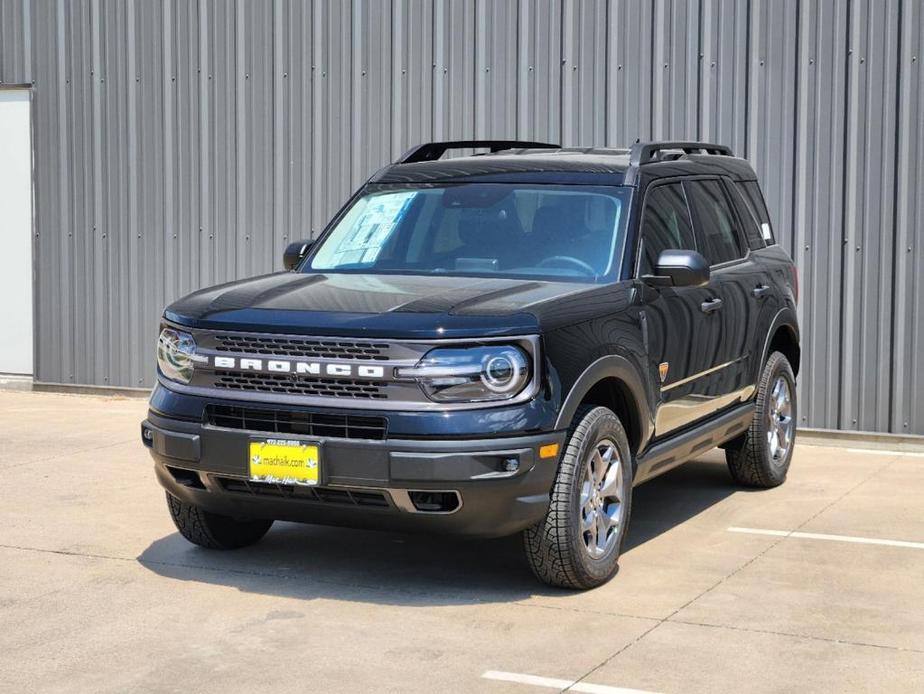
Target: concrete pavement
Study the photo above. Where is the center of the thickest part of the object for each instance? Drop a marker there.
(99, 593)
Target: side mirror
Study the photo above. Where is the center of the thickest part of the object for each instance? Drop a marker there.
(680, 268)
(295, 252)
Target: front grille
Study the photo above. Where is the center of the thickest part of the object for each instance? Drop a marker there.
(324, 495)
(297, 422)
(299, 347)
(285, 383)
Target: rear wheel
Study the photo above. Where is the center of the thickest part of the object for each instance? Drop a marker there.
(578, 543)
(212, 530)
(761, 457)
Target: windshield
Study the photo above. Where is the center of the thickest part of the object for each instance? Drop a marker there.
(483, 229)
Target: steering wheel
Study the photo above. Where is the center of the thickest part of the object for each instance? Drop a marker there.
(569, 259)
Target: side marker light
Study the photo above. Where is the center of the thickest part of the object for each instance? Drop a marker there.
(549, 450)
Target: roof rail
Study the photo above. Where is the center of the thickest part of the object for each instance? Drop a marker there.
(431, 151)
(647, 152)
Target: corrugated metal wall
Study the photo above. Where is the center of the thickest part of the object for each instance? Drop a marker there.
(182, 143)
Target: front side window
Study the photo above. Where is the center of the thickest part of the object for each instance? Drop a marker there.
(665, 225)
(483, 229)
(715, 223)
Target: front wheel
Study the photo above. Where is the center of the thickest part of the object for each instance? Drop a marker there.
(577, 545)
(761, 456)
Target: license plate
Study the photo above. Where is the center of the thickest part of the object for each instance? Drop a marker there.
(285, 462)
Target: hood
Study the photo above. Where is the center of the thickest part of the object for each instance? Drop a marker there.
(424, 306)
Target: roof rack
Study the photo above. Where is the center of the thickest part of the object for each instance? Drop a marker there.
(431, 151)
(647, 152)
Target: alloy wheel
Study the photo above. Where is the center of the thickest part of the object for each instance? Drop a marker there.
(602, 495)
(782, 425)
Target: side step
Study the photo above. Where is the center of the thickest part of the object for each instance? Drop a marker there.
(675, 451)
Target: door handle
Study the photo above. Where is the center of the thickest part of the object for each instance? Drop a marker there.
(760, 291)
(711, 305)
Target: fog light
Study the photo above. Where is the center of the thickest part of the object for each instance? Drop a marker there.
(511, 465)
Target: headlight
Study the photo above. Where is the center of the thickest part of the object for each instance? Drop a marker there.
(471, 374)
(176, 354)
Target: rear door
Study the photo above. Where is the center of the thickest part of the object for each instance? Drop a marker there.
(732, 297)
(758, 233)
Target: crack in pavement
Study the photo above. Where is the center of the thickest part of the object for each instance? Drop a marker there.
(724, 579)
(377, 588)
(809, 637)
(348, 584)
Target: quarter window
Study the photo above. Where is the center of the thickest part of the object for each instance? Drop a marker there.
(747, 217)
(665, 225)
(755, 201)
(714, 222)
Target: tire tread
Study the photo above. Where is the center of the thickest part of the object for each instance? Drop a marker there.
(748, 463)
(212, 531)
(549, 549)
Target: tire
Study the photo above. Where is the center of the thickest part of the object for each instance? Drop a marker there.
(559, 549)
(760, 457)
(212, 530)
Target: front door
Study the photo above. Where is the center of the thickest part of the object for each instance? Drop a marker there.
(16, 231)
(682, 335)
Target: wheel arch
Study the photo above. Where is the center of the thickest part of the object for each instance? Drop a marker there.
(613, 382)
(783, 337)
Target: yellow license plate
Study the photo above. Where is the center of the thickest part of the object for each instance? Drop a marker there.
(285, 462)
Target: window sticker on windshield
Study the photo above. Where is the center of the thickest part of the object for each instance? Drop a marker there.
(381, 215)
(765, 230)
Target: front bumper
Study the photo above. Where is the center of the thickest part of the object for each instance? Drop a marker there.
(464, 486)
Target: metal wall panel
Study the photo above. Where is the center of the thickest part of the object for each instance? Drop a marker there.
(724, 73)
(15, 41)
(675, 73)
(819, 199)
(372, 93)
(454, 85)
(495, 68)
(907, 403)
(869, 208)
(182, 143)
(630, 32)
(539, 88)
(583, 73)
(772, 106)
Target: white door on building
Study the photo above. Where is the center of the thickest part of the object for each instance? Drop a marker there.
(15, 232)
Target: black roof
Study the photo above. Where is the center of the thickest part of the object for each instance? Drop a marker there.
(522, 165)
(542, 163)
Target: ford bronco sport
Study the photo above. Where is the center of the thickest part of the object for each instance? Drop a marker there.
(491, 344)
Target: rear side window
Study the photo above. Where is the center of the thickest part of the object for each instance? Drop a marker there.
(665, 225)
(715, 222)
(755, 201)
(748, 218)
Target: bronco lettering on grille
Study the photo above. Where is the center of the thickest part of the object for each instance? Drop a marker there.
(311, 368)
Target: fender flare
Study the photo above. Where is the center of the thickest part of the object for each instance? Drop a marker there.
(785, 317)
(610, 366)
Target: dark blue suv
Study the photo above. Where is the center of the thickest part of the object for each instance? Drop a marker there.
(505, 342)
